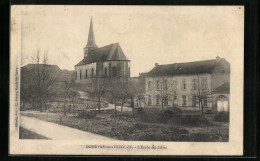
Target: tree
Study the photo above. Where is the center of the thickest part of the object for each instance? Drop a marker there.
(200, 92)
(163, 88)
(99, 89)
(25, 87)
(73, 95)
(136, 91)
(115, 91)
(66, 93)
(41, 78)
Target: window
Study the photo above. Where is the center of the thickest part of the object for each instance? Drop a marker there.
(149, 86)
(184, 85)
(205, 102)
(194, 101)
(165, 87)
(157, 85)
(76, 75)
(174, 84)
(92, 72)
(184, 101)
(86, 73)
(166, 100)
(80, 74)
(194, 84)
(149, 100)
(157, 99)
(106, 72)
(113, 71)
(204, 83)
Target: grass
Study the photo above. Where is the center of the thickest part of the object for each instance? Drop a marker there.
(159, 126)
(27, 134)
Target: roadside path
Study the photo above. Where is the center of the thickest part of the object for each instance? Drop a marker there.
(57, 132)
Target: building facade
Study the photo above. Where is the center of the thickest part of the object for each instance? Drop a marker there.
(186, 85)
(107, 61)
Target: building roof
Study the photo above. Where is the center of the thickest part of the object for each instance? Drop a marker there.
(224, 88)
(91, 37)
(106, 53)
(54, 68)
(196, 67)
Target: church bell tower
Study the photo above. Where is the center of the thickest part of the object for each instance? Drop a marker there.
(91, 45)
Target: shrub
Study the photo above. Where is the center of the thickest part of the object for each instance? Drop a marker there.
(155, 137)
(160, 116)
(140, 110)
(194, 120)
(87, 114)
(140, 126)
(175, 110)
(222, 117)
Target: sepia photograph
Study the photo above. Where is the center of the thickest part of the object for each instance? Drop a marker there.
(126, 80)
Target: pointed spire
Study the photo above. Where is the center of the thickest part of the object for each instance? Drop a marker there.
(91, 37)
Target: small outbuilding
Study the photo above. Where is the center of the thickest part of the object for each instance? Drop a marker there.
(221, 97)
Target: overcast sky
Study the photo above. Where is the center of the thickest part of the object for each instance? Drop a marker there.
(147, 34)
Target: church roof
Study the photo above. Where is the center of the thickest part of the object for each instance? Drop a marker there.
(106, 53)
(196, 67)
(91, 37)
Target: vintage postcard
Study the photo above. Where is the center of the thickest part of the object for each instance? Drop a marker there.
(126, 80)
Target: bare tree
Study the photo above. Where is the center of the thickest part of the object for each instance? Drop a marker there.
(73, 95)
(200, 92)
(164, 91)
(115, 91)
(66, 93)
(41, 78)
(99, 89)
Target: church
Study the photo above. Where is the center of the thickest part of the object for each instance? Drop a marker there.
(107, 61)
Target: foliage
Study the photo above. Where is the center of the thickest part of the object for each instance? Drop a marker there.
(194, 120)
(222, 117)
(87, 114)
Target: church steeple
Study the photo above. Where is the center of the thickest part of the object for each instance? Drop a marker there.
(91, 45)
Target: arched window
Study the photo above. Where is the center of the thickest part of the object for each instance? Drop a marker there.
(149, 86)
(157, 99)
(92, 72)
(80, 74)
(149, 100)
(114, 72)
(105, 71)
(86, 73)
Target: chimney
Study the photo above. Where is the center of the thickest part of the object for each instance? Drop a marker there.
(156, 64)
(218, 58)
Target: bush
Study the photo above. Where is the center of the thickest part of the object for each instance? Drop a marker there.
(194, 120)
(140, 110)
(159, 116)
(140, 126)
(87, 114)
(222, 117)
(175, 110)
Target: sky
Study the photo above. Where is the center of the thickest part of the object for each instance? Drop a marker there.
(146, 34)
